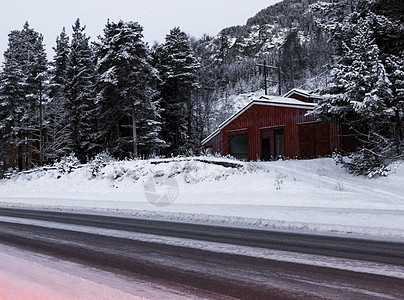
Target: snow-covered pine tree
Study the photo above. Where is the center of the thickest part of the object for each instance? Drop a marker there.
(395, 72)
(57, 113)
(127, 94)
(23, 90)
(81, 76)
(361, 94)
(178, 67)
(224, 45)
(12, 96)
(38, 84)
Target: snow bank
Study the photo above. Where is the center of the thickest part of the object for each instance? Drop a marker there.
(311, 195)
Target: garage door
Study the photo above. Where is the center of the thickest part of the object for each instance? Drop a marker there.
(239, 146)
(314, 140)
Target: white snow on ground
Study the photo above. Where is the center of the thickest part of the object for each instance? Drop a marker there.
(29, 276)
(310, 195)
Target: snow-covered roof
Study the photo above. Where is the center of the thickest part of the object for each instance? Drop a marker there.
(283, 100)
(263, 100)
(301, 92)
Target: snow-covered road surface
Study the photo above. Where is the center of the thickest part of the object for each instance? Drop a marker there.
(235, 262)
(26, 275)
(285, 256)
(289, 197)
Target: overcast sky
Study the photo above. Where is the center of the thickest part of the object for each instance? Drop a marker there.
(157, 17)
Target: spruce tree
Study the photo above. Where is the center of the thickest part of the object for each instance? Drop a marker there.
(80, 94)
(127, 97)
(38, 88)
(23, 92)
(395, 73)
(57, 113)
(364, 91)
(12, 96)
(178, 70)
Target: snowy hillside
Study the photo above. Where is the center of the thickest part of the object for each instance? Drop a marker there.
(309, 195)
(225, 107)
(285, 36)
(266, 31)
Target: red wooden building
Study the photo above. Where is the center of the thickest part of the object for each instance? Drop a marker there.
(272, 127)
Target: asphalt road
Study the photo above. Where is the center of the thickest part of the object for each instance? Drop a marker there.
(335, 267)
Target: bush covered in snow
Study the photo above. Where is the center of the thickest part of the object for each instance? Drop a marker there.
(67, 164)
(360, 163)
(100, 161)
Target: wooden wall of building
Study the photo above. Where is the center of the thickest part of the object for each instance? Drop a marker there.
(304, 136)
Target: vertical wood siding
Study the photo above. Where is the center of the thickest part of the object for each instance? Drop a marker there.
(215, 144)
(259, 120)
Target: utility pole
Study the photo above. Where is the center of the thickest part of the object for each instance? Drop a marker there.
(265, 75)
(266, 67)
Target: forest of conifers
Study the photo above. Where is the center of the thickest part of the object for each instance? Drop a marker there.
(121, 95)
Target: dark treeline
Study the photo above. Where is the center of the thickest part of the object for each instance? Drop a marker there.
(114, 95)
(122, 96)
